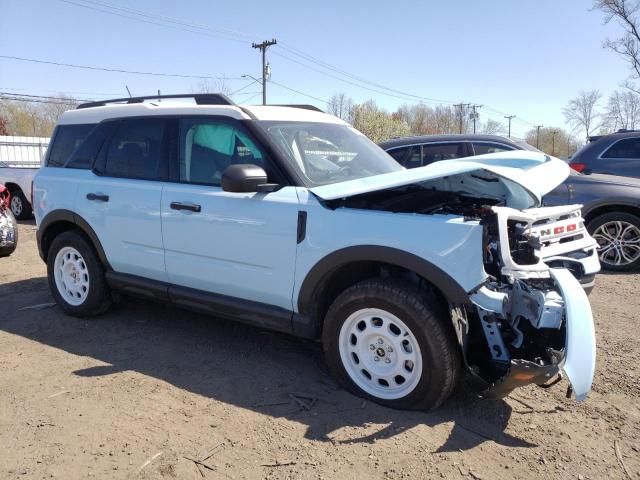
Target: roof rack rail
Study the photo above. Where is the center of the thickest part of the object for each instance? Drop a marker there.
(200, 99)
(626, 130)
(296, 105)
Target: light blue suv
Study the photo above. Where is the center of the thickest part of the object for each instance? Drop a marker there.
(290, 219)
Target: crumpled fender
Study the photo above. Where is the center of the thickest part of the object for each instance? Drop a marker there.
(580, 350)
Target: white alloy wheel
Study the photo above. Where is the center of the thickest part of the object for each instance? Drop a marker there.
(16, 205)
(380, 353)
(71, 276)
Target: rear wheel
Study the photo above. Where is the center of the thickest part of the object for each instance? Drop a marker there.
(618, 237)
(76, 276)
(389, 342)
(19, 205)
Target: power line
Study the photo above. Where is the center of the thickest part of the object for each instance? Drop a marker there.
(299, 92)
(234, 35)
(184, 26)
(116, 70)
(127, 12)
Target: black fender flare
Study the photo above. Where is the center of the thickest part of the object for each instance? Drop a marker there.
(62, 215)
(452, 290)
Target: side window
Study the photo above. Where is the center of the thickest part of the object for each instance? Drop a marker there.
(408, 157)
(208, 147)
(441, 151)
(627, 148)
(482, 148)
(65, 140)
(135, 149)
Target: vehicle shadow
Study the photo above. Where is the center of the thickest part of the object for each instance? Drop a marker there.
(30, 222)
(242, 366)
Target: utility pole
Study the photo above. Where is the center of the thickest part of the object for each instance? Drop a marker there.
(553, 142)
(263, 48)
(538, 127)
(474, 115)
(509, 117)
(461, 106)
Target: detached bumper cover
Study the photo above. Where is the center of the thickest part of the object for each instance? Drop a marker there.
(580, 351)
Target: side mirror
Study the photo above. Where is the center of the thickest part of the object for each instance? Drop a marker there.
(246, 178)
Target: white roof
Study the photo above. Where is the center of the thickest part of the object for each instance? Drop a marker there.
(268, 112)
(97, 114)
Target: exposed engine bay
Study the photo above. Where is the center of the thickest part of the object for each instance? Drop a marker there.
(515, 331)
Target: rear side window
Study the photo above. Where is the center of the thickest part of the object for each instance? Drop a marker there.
(136, 149)
(627, 148)
(482, 148)
(441, 151)
(65, 140)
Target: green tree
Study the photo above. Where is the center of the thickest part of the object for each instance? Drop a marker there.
(377, 123)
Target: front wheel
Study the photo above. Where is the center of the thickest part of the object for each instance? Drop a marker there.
(76, 276)
(389, 342)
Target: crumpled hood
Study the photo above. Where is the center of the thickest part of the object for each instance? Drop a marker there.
(535, 173)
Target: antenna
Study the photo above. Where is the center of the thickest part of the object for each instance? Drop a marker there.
(128, 91)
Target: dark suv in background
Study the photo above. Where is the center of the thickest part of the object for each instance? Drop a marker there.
(614, 154)
(422, 150)
(611, 204)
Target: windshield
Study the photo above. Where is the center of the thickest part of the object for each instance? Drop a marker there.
(325, 153)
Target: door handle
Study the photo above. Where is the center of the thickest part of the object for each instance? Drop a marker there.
(100, 197)
(192, 207)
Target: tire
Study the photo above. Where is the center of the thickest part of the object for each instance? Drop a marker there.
(618, 237)
(8, 223)
(76, 276)
(20, 206)
(397, 323)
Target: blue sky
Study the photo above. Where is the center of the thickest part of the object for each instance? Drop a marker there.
(525, 57)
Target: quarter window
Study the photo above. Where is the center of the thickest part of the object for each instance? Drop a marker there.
(135, 150)
(408, 157)
(65, 141)
(627, 148)
(208, 147)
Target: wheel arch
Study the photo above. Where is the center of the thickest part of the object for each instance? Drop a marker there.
(12, 187)
(58, 221)
(612, 207)
(345, 267)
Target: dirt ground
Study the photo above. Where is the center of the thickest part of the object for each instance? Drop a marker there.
(147, 391)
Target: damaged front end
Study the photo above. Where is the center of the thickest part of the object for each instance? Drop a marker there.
(529, 321)
(535, 321)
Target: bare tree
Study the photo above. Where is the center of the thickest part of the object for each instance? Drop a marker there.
(581, 112)
(341, 106)
(34, 119)
(493, 127)
(208, 85)
(625, 13)
(553, 140)
(3, 127)
(622, 111)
